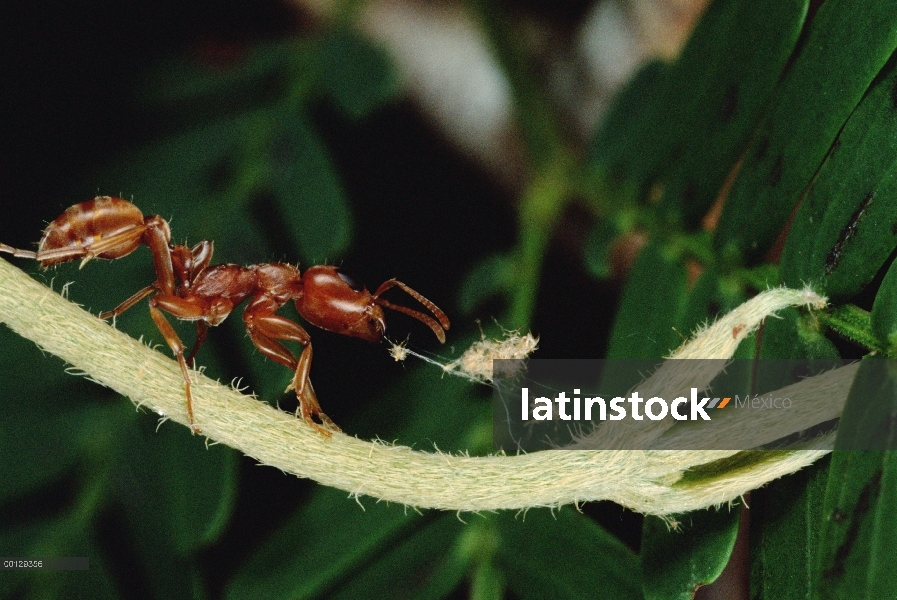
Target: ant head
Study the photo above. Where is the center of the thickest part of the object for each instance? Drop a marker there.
(331, 300)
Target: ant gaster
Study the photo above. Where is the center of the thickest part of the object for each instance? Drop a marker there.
(188, 288)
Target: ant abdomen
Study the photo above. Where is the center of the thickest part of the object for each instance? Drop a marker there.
(112, 226)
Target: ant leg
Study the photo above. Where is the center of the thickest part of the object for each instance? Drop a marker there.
(201, 328)
(129, 302)
(182, 310)
(18, 253)
(87, 251)
(265, 330)
(156, 235)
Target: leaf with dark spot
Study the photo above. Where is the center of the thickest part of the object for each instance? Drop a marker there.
(840, 237)
(730, 103)
(856, 557)
(775, 173)
(761, 149)
(834, 256)
(819, 92)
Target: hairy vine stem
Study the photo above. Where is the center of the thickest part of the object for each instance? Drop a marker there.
(655, 482)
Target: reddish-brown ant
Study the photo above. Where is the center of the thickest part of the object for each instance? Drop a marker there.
(188, 288)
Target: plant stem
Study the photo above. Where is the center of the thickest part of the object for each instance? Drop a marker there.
(645, 481)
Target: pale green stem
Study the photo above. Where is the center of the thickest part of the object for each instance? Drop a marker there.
(646, 481)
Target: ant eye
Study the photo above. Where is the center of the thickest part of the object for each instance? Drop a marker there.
(356, 287)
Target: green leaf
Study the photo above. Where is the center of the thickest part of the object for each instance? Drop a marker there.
(186, 490)
(795, 335)
(723, 79)
(357, 74)
(686, 123)
(844, 229)
(786, 518)
(883, 320)
(654, 296)
(597, 249)
(564, 555)
(177, 496)
(490, 277)
(855, 548)
(308, 192)
(421, 565)
(711, 296)
(843, 51)
(327, 541)
(38, 429)
(852, 323)
(66, 536)
(676, 562)
(185, 169)
(618, 148)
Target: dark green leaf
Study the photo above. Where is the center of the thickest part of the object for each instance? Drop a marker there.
(855, 548)
(793, 334)
(421, 565)
(357, 74)
(676, 562)
(185, 170)
(843, 51)
(220, 73)
(176, 496)
(711, 296)
(34, 422)
(597, 250)
(845, 227)
(181, 489)
(618, 149)
(308, 193)
(723, 79)
(786, 517)
(884, 312)
(654, 295)
(490, 277)
(327, 541)
(68, 536)
(696, 113)
(564, 555)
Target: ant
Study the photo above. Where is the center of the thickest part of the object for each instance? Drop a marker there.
(188, 288)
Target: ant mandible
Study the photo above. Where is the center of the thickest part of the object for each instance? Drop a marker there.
(188, 288)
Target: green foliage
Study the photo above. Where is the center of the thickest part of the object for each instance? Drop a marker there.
(804, 118)
(883, 319)
(844, 229)
(786, 517)
(679, 557)
(563, 555)
(831, 153)
(858, 524)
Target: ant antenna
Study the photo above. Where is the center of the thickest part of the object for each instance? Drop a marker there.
(439, 327)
